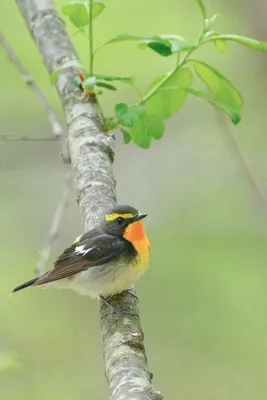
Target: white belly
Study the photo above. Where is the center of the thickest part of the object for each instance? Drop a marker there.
(102, 280)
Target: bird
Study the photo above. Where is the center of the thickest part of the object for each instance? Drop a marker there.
(104, 261)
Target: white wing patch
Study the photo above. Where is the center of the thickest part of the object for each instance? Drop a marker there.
(82, 250)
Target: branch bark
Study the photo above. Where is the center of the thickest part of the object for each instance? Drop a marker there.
(91, 157)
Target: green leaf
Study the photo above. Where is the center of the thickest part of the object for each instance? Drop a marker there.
(89, 82)
(157, 81)
(122, 113)
(125, 79)
(221, 88)
(68, 64)
(160, 48)
(245, 41)
(126, 136)
(170, 95)
(154, 124)
(77, 81)
(140, 134)
(164, 45)
(208, 22)
(179, 44)
(126, 114)
(106, 85)
(125, 37)
(78, 12)
(173, 44)
(98, 8)
(213, 18)
(220, 45)
(232, 113)
(146, 127)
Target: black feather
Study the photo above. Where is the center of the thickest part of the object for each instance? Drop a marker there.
(123, 209)
(103, 244)
(24, 285)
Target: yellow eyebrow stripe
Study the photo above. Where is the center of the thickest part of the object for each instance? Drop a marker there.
(77, 239)
(113, 216)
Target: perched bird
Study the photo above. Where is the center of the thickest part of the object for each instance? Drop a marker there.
(104, 261)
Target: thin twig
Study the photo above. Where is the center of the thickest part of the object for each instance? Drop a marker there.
(16, 138)
(236, 150)
(54, 229)
(91, 38)
(56, 126)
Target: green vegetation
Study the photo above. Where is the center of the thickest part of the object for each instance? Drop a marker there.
(144, 121)
(203, 301)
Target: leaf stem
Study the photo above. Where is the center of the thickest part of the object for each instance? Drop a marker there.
(91, 39)
(171, 73)
(99, 48)
(138, 91)
(202, 8)
(245, 41)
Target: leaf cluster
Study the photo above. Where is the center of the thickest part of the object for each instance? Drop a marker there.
(144, 121)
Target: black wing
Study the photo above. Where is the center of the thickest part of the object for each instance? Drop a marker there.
(89, 251)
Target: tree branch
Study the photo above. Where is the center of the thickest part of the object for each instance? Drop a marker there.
(56, 126)
(244, 165)
(54, 229)
(16, 138)
(91, 156)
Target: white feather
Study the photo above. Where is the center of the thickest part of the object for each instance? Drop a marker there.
(81, 250)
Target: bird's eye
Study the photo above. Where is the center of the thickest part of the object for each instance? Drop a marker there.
(120, 220)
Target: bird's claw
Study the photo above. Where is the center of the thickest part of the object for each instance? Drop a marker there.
(112, 310)
(126, 291)
(115, 311)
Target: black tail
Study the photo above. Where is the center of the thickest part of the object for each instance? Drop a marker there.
(24, 285)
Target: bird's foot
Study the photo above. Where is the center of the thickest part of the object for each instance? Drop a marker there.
(127, 291)
(113, 310)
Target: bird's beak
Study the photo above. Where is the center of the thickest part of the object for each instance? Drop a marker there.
(138, 217)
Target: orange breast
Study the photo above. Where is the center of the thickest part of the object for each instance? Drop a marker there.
(135, 234)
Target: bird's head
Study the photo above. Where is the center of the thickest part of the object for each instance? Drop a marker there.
(124, 221)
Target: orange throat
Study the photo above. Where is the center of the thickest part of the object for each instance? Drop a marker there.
(135, 234)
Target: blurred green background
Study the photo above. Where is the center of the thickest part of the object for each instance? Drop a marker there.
(203, 301)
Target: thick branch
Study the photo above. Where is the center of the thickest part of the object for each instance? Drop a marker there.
(91, 155)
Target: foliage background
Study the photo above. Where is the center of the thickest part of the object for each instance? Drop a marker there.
(203, 301)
